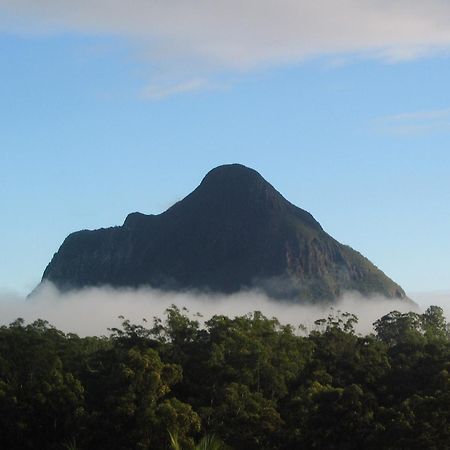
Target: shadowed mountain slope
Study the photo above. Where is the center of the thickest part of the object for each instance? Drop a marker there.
(234, 231)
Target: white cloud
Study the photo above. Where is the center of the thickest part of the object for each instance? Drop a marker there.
(420, 116)
(159, 91)
(91, 311)
(418, 122)
(243, 34)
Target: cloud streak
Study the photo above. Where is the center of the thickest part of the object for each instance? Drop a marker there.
(200, 36)
(159, 92)
(91, 311)
(418, 122)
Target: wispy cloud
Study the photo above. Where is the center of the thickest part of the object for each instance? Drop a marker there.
(158, 91)
(420, 116)
(222, 35)
(417, 122)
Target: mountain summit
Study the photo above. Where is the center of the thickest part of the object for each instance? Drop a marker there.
(234, 231)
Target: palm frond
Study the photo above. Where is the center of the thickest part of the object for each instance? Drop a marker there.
(210, 442)
(174, 443)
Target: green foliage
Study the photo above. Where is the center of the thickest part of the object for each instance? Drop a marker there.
(244, 383)
(41, 402)
(208, 442)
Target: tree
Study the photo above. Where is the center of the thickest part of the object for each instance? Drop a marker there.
(41, 403)
(128, 401)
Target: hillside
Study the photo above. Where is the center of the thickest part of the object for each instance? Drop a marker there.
(234, 231)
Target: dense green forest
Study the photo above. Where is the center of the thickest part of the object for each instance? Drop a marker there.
(234, 383)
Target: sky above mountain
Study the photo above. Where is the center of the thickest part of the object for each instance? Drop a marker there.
(343, 106)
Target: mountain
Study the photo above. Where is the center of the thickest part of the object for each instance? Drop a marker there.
(234, 231)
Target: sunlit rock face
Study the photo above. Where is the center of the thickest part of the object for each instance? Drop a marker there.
(233, 232)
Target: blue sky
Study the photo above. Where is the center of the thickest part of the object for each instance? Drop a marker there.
(100, 121)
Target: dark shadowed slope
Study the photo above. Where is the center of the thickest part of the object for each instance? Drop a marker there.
(234, 231)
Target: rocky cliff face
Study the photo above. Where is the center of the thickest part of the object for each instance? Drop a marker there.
(234, 231)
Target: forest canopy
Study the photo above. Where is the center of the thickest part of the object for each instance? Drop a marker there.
(247, 382)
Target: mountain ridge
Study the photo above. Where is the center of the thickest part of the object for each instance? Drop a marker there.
(234, 231)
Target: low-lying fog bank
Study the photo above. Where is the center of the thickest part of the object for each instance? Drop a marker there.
(91, 311)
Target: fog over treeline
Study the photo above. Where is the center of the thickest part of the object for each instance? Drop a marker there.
(246, 382)
(91, 311)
